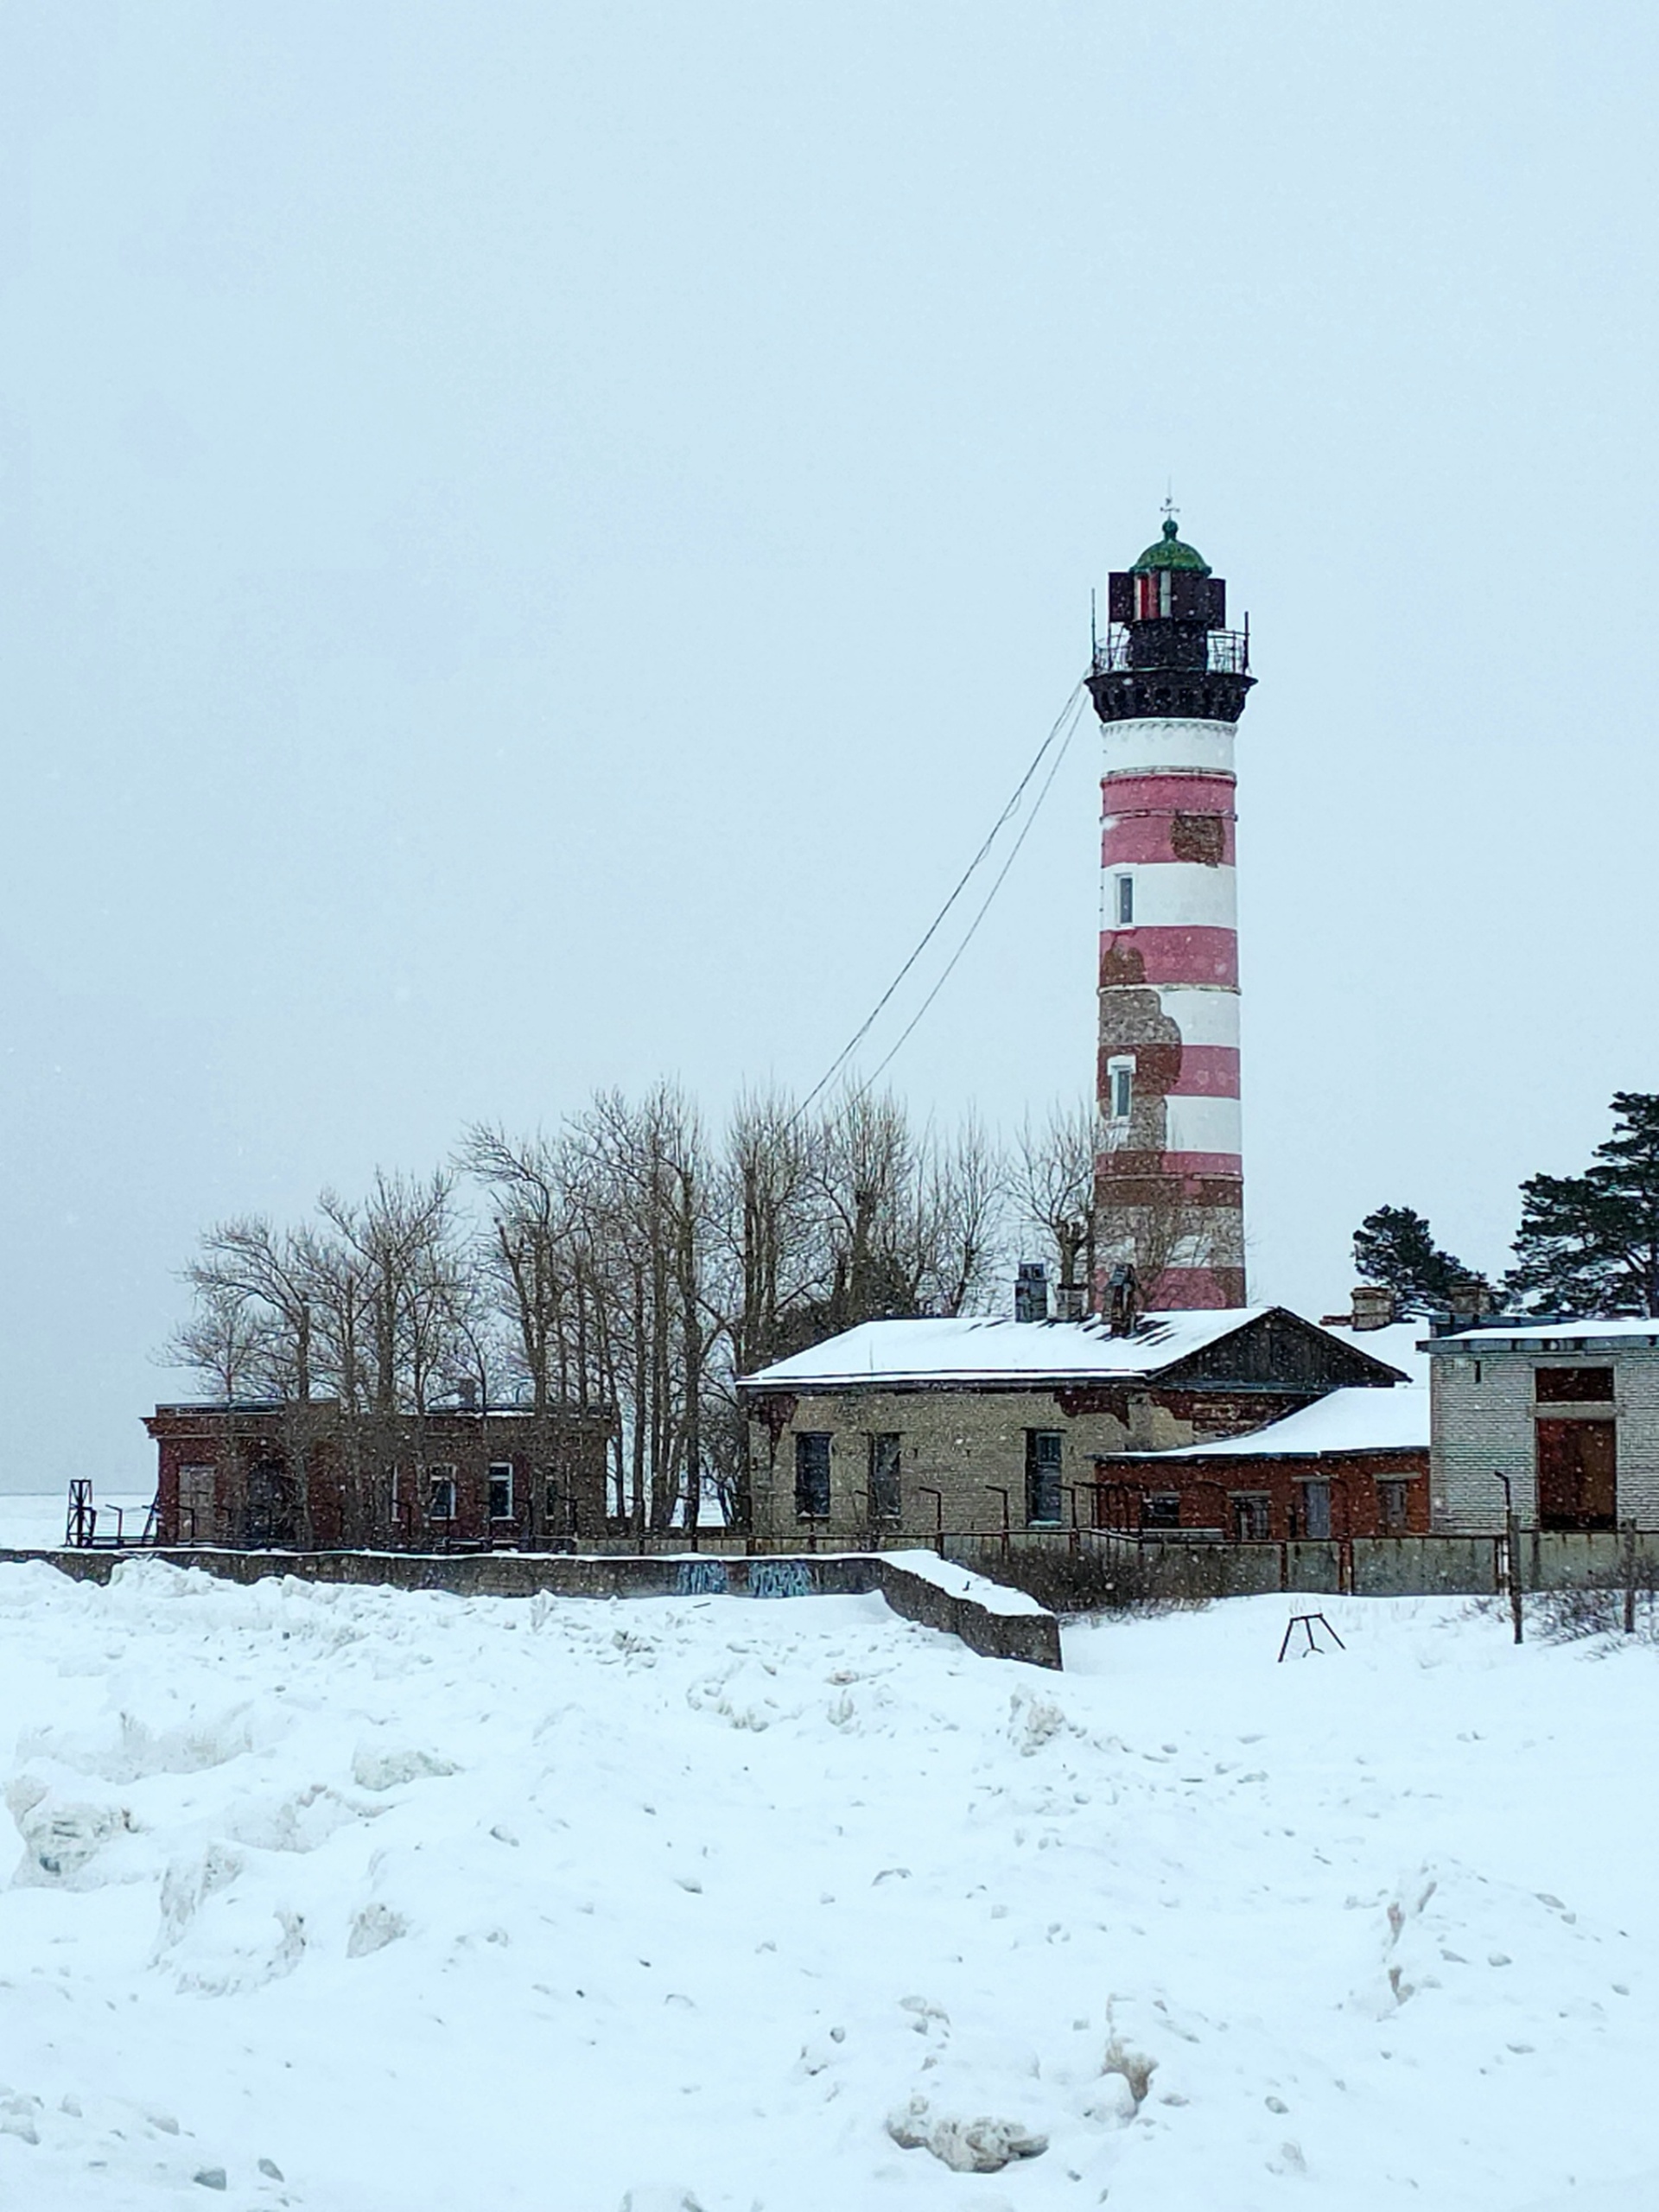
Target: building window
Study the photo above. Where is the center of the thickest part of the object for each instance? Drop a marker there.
(886, 1499)
(812, 1478)
(1252, 1516)
(501, 1490)
(1574, 1386)
(552, 1495)
(1125, 901)
(1043, 1477)
(1119, 1088)
(1393, 1509)
(1162, 1509)
(440, 1493)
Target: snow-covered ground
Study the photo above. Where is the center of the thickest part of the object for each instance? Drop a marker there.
(437, 1906)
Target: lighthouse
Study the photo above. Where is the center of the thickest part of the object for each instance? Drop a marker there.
(1169, 680)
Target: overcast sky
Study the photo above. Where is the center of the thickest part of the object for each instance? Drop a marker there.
(536, 538)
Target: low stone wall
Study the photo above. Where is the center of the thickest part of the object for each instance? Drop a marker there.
(1033, 1637)
(1135, 1568)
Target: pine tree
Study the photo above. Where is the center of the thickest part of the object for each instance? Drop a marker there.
(1395, 1246)
(1589, 1243)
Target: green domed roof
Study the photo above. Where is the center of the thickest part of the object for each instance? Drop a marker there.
(1170, 553)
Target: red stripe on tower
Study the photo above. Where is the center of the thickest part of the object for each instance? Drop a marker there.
(1191, 954)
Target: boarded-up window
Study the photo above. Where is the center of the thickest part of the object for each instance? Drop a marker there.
(812, 1477)
(1043, 1477)
(1574, 1386)
(1252, 1516)
(1393, 1505)
(198, 1516)
(1577, 1474)
(885, 1501)
(1316, 1510)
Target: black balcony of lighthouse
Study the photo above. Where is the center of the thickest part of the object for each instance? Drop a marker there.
(1167, 651)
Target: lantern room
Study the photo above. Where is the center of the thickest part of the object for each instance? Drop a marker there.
(1167, 649)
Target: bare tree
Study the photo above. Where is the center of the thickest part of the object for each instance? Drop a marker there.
(402, 1236)
(1054, 1194)
(269, 1271)
(961, 1212)
(226, 1341)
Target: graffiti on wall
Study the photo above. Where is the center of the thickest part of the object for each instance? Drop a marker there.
(780, 1578)
(702, 1577)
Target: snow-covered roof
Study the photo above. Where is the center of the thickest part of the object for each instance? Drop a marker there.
(1399, 1344)
(1545, 1336)
(1354, 1419)
(989, 1348)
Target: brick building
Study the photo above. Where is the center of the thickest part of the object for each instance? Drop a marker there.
(898, 1429)
(1354, 1463)
(1568, 1411)
(301, 1473)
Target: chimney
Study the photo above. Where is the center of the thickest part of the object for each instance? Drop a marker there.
(467, 1393)
(1122, 1300)
(1071, 1301)
(1470, 1299)
(1031, 1291)
(1373, 1306)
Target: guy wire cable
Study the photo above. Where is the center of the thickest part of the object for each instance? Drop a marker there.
(973, 926)
(1069, 711)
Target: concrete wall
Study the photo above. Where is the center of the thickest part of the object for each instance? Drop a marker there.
(1371, 1566)
(1034, 1638)
(1482, 1418)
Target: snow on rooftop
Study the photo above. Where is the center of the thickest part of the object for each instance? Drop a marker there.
(988, 1347)
(1396, 1345)
(1641, 1328)
(1356, 1420)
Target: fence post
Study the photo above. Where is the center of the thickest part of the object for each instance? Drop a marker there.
(1629, 1577)
(1517, 1611)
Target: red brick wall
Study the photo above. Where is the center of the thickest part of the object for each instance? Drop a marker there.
(341, 1495)
(1207, 1490)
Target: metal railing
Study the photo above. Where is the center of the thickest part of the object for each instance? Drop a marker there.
(1228, 651)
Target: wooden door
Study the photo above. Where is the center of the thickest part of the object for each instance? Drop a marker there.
(198, 1504)
(1577, 1474)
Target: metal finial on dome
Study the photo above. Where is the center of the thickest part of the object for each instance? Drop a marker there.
(1170, 526)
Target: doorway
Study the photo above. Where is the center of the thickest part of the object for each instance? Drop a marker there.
(1577, 1474)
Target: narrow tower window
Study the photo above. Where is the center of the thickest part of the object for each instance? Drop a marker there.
(1120, 1089)
(1125, 901)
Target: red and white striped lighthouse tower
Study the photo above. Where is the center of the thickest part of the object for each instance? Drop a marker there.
(1169, 682)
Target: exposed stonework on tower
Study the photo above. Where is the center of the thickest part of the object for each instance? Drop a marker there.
(1169, 682)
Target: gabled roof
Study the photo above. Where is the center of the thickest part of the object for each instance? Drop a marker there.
(1399, 1343)
(986, 1350)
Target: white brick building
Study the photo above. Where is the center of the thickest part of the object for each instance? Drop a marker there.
(1568, 1411)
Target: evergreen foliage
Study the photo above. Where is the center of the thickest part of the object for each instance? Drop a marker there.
(1589, 1243)
(1395, 1246)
